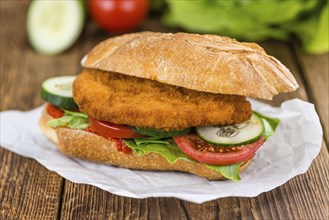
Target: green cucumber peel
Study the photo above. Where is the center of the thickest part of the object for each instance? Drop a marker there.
(241, 134)
(58, 91)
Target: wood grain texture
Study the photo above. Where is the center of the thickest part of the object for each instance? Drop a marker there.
(29, 191)
(316, 72)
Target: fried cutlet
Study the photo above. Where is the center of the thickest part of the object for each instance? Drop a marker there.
(133, 101)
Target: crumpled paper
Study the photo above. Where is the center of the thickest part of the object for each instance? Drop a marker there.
(288, 153)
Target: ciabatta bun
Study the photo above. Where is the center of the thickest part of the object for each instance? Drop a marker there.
(207, 63)
(89, 146)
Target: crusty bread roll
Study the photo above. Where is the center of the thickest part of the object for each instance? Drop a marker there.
(207, 63)
(89, 146)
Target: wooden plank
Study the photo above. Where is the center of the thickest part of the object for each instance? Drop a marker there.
(27, 190)
(316, 73)
(91, 202)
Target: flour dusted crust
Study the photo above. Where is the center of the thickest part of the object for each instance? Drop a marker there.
(208, 63)
(92, 147)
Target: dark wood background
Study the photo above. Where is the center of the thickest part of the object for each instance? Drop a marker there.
(30, 191)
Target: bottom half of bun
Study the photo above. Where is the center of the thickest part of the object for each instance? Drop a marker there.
(92, 147)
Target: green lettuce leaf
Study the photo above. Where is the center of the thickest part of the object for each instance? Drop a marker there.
(169, 150)
(313, 31)
(231, 172)
(262, 19)
(76, 114)
(152, 140)
(74, 120)
(270, 124)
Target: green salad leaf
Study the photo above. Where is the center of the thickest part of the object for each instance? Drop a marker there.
(166, 148)
(76, 114)
(169, 150)
(254, 20)
(313, 31)
(74, 120)
(270, 124)
(231, 172)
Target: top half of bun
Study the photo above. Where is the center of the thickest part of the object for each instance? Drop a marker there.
(207, 63)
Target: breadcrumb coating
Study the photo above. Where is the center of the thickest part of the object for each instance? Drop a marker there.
(133, 101)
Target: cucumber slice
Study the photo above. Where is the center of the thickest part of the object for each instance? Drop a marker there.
(233, 135)
(58, 91)
(161, 133)
(53, 26)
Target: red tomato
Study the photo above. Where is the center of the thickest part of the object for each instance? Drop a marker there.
(121, 146)
(118, 15)
(111, 130)
(189, 144)
(54, 111)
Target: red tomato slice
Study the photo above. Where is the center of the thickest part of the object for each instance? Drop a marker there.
(54, 111)
(189, 144)
(120, 145)
(108, 129)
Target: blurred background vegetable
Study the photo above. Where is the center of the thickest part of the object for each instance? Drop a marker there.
(118, 15)
(313, 31)
(54, 26)
(254, 20)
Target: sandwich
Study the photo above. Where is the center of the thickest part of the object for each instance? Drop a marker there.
(166, 102)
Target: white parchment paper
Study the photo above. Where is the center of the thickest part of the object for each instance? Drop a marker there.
(288, 153)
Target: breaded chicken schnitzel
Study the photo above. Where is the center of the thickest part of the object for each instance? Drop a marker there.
(133, 101)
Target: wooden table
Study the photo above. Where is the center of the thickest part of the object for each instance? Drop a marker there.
(30, 191)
